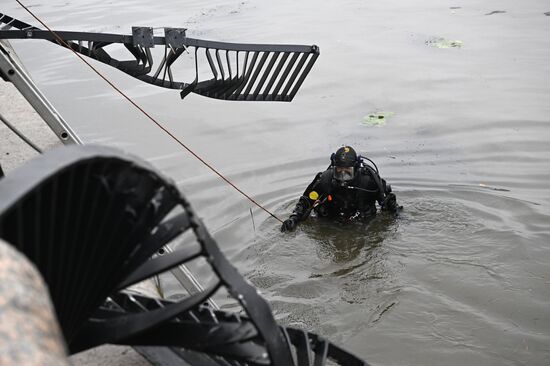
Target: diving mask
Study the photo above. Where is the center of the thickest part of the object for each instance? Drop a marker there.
(343, 174)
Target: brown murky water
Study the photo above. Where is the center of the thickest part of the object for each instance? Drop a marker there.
(463, 275)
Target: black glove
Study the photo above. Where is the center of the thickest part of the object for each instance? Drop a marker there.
(289, 224)
(390, 203)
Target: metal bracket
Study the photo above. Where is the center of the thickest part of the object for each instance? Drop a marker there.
(143, 36)
(175, 37)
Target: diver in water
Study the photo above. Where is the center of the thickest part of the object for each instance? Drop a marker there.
(347, 190)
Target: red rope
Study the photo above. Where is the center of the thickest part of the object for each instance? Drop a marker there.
(62, 41)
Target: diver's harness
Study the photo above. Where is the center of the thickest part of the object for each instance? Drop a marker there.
(364, 168)
(305, 205)
(375, 174)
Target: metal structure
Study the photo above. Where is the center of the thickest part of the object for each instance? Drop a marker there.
(12, 70)
(120, 212)
(91, 218)
(232, 71)
(245, 72)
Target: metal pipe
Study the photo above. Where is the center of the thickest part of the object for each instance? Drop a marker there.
(20, 134)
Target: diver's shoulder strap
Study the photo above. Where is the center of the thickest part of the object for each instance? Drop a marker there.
(379, 182)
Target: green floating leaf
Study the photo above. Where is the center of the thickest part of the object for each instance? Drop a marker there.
(444, 43)
(376, 119)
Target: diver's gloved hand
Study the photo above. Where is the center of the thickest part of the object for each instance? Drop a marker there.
(290, 224)
(390, 203)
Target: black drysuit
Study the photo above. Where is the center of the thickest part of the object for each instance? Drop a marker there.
(354, 200)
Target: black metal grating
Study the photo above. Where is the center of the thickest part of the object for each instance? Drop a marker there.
(232, 71)
(91, 219)
(94, 214)
(223, 338)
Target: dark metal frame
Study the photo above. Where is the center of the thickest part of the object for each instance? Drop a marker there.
(92, 218)
(246, 72)
(214, 333)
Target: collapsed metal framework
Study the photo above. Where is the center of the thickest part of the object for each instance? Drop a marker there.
(234, 71)
(91, 219)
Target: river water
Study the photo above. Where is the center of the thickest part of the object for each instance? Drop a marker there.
(462, 276)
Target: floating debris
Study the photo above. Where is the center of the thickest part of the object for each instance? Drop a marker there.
(482, 185)
(496, 12)
(444, 43)
(376, 119)
(455, 7)
(384, 310)
(547, 13)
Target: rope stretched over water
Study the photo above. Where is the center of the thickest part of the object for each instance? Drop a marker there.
(159, 125)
